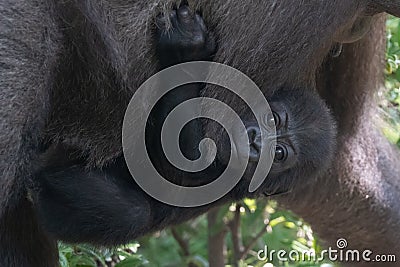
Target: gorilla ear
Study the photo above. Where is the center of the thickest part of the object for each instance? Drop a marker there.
(389, 6)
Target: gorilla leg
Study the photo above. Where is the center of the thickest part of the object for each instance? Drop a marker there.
(99, 206)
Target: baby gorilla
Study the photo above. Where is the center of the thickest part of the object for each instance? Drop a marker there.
(305, 136)
(106, 206)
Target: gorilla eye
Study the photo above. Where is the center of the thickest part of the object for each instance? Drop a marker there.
(270, 120)
(273, 119)
(277, 119)
(280, 153)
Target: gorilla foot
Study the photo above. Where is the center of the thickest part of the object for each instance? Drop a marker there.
(185, 38)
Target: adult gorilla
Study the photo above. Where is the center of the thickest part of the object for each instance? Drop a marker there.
(69, 68)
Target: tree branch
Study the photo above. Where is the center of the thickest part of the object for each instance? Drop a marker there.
(216, 244)
(181, 242)
(252, 243)
(234, 227)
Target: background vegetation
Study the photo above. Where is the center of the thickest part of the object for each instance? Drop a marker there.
(391, 101)
(243, 227)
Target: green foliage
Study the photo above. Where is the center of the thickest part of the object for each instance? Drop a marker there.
(261, 222)
(88, 256)
(392, 82)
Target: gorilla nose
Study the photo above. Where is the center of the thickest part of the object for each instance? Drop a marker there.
(254, 134)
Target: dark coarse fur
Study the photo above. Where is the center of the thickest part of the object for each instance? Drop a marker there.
(69, 198)
(106, 55)
(113, 210)
(68, 70)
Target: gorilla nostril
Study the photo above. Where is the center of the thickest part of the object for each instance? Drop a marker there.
(184, 12)
(254, 135)
(185, 15)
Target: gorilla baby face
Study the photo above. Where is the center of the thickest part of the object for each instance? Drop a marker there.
(305, 140)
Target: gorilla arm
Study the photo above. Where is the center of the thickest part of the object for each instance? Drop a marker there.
(390, 6)
(28, 51)
(358, 199)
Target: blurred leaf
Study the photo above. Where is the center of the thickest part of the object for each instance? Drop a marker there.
(132, 261)
(82, 261)
(251, 204)
(198, 261)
